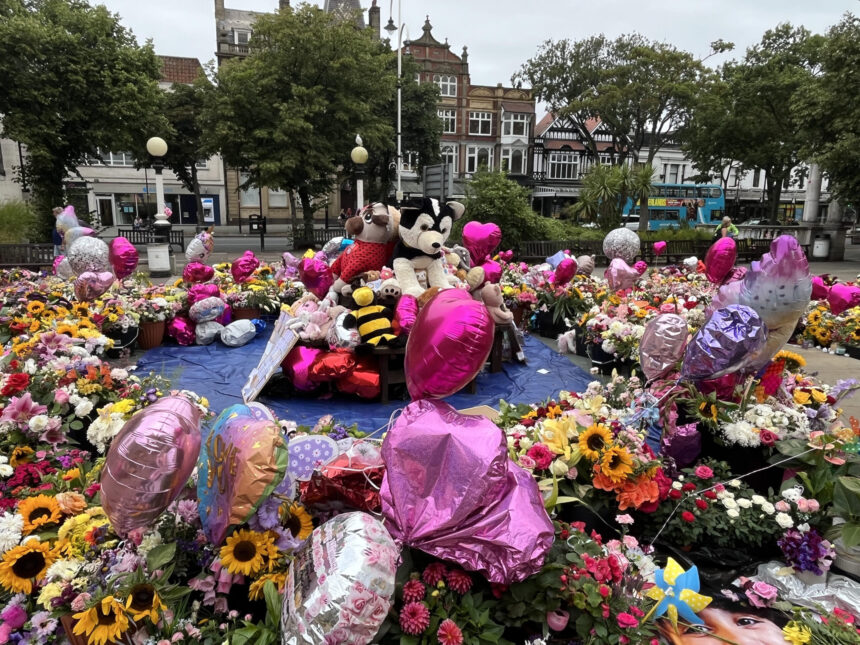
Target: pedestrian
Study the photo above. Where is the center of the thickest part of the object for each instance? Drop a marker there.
(726, 229)
(342, 216)
(56, 236)
(349, 212)
(138, 223)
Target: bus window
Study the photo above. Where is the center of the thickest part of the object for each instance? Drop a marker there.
(689, 192)
(716, 193)
(703, 192)
(673, 191)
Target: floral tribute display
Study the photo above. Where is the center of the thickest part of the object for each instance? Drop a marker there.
(711, 490)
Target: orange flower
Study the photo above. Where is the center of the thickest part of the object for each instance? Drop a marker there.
(634, 494)
(71, 503)
(92, 373)
(602, 482)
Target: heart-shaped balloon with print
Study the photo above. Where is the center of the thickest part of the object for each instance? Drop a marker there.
(565, 271)
(90, 285)
(481, 240)
(308, 453)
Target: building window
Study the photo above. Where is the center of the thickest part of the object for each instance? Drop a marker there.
(202, 164)
(481, 123)
(418, 78)
(449, 121)
(410, 161)
(478, 157)
(756, 178)
(674, 172)
(563, 165)
(447, 84)
(249, 196)
(801, 181)
(277, 198)
(514, 161)
(605, 160)
(114, 159)
(449, 157)
(516, 125)
(241, 36)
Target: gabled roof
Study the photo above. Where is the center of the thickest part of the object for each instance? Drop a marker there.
(544, 124)
(175, 69)
(427, 36)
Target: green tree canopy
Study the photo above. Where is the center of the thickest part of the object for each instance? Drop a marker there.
(72, 80)
(288, 114)
(828, 112)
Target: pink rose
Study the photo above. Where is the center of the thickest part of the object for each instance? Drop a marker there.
(703, 472)
(80, 602)
(667, 308)
(782, 506)
(61, 397)
(760, 594)
(813, 505)
(14, 615)
(768, 438)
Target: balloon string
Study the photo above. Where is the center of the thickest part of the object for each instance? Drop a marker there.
(723, 484)
(388, 425)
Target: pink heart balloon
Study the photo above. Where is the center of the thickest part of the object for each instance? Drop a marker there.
(123, 257)
(183, 330)
(448, 346)
(565, 271)
(244, 267)
(720, 259)
(620, 275)
(659, 248)
(197, 272)
(735, 275)
(492, 271)
(90, 285)
(820, 291)
(316, 276)
(843, 297)
(641, 267)
(297, 367)
(481, 240)
(202, 291)
(406, 312)
(662, 344)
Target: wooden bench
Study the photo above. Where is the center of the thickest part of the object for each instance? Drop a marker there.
(319, 236)
(27, 256)
(141, 237)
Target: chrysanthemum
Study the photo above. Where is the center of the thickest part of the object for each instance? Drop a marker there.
(143, 602)
(616, 463)
(413, 591)
(414, 618)
(459, 580)
(434, 572)
(39, 511)
(300, 524)
(104, 623)
(449, 633)
(243, 553)
(11, 529)
(23, 564)
(594, 440)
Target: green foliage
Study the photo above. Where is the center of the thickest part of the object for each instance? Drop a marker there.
(828, 112)
(74, 80)
(267, 632)
(290, 111)
(605, 190)
(17, 223)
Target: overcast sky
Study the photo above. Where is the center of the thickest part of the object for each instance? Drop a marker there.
(502, 34)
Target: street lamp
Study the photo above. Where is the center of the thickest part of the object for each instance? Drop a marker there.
(391, 28)
(359, 158)
(158, 255)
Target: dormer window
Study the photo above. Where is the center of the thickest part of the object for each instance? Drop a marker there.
(241, 36)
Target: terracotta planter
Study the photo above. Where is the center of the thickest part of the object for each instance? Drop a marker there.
(151, 334)
(519, 313)
(246, 313)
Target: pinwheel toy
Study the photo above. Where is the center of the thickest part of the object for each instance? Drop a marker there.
(677, 594)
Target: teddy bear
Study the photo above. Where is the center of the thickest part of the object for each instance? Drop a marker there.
(389, 293)
(372, 320)
(424, 227)
(491, 294)
(374, 233)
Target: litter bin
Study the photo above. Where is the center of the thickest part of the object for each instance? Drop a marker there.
(821, 247)
(257, 224)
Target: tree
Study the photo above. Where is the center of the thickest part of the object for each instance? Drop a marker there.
(605, 190)
(641, 188)
(73, 81)
(288, 114)
(828, 112)
(640, 90)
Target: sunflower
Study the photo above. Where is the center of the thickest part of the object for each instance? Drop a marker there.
(48, 316)
(35, 307)
(21, 455)
(594, 440)
(855, 335)
(616, 464)
(790, 358)
(255, 590)
(20, 565)
(86, 323)
(68, 330)
(300, 523)
(39, 511)
(103, 623)
(143, 602)
(81, 310)
(243, 553)
(814, 317)
(709, 413)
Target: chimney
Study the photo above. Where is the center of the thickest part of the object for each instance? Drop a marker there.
(373, 17)
(219, 10)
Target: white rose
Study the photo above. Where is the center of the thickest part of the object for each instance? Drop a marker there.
(744, 503)
(728, 502)
(83, 408)
(784, 520)
(677, 485)
(758, 499)
(735, 483)
(558, 468)
(526, 443)
(768, 508)
(733, 513)
(38, 423)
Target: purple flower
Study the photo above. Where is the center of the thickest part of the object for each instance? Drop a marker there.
(14, 615)
(43, 624)
(806, 550)
(20, 409)
(267, 516)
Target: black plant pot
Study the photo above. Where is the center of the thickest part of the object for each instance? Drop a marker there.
(853, 351)
(122, 341)
(581, 346)
(744, 460)
(546, 326)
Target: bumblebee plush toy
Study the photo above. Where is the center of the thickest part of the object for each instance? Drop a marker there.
(372, 321)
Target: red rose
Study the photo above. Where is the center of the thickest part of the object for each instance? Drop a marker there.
(15, 383)
(688, 487)
(710, 494)
(768, 438)
(675, 494)
(702, 504)
(687, 516)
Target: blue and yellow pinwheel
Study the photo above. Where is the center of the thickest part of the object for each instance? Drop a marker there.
(677, 594)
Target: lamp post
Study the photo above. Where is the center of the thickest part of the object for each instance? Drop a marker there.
(359, 158)
(158, 254)
(390, 28)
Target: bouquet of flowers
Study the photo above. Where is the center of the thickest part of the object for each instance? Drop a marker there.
(805, 549)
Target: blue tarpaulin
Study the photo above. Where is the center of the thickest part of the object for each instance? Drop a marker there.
(218, 372)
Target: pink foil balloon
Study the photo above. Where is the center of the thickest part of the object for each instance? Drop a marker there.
(64, 268)
(481, 240)
(659, 248)
(67, 220)
(123, 257)
(297, 367)
(57, 261)
(729, 294)
(620, 275)
(243, 268)
(735, 275)
(662, 345)
(74, 233)
(843, 297)
(183, 330)
(492, 271)
(565, 271)
(202, 291)
(641, 267)
(316, 276)
(197, 272)
(448, 346)
(820, 291)
(90, 285)
(720, 259)
(406, 312)
(149, 462)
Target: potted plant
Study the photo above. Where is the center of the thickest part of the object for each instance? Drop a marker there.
(251, 299)
(120, 323)
(846, 525)
(154, 314)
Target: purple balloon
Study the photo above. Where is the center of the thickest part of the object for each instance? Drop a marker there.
(620, 275)
(183, 330)
(123, 257)
(149, 462)
(662, 344)
(197, 272)
(448, 346)
(729, 341)
(451, 490)
(721, 259)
